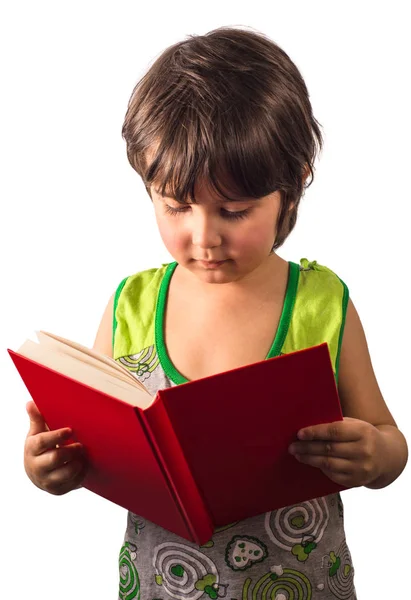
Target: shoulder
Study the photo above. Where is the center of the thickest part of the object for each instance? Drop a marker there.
(141, 280)
(307, 268)
(320, 284)
(358, 388)
(133, 288)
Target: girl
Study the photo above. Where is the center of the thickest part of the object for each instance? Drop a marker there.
(222, 133)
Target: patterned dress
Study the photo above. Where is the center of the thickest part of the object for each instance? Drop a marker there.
(297, 552)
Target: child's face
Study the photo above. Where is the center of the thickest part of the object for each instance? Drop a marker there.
(239, 233)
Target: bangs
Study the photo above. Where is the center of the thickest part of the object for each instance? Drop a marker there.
(240, 161)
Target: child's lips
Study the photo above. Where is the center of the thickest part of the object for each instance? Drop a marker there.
(211, 264)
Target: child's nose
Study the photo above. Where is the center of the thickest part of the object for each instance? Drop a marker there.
(205, 231)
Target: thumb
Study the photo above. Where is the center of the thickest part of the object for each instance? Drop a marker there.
(37, 423)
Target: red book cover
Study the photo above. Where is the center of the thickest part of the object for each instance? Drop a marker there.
(235, 428)
(205, 453)
(124, 461)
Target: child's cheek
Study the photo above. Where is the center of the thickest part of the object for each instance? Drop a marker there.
(172, 237)
(251, 238)
(256, 237)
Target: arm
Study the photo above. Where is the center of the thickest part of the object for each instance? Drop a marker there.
(366, 448)
(361, 398)
(103, 341)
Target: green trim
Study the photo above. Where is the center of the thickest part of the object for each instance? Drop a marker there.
(165, 362)
(281, 334)
(116, 297)
(343, 316)
(288, 306)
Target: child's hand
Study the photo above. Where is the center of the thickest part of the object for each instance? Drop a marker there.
(348, 451)
(55, 470)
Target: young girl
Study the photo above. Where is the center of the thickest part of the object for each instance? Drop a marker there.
(222, 133)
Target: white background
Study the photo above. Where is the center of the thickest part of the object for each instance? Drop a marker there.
(75, 220)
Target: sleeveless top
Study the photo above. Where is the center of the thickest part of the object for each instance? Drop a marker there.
(297, 552)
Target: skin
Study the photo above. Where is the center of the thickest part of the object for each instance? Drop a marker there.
(56, 470)
(205, 231)
(366, 448)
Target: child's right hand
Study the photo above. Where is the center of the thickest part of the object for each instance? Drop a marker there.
(55, 470)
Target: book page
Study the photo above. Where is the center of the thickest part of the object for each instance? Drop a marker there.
(87, 355)
(86, 373)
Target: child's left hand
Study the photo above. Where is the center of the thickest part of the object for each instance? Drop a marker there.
(349, 452)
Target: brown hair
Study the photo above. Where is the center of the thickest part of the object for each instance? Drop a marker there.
(231, 107)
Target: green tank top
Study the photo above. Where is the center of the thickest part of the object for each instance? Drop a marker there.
(297, 552)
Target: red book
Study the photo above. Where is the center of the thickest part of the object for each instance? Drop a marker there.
(199, 455)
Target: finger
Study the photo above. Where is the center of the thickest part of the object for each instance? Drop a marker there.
(66, 477)
(338, 449)
(58, 457)
(37, 423)
(327, 463)
(338, 431)
(47, 440)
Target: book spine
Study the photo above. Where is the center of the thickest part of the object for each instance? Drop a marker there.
(182, 484)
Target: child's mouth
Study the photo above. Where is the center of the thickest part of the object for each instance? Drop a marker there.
(208, 264)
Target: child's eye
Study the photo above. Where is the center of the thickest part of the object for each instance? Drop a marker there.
(174, 211)
(226, 214)
(241, 214)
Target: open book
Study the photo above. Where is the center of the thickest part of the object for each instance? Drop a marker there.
(196, 456)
